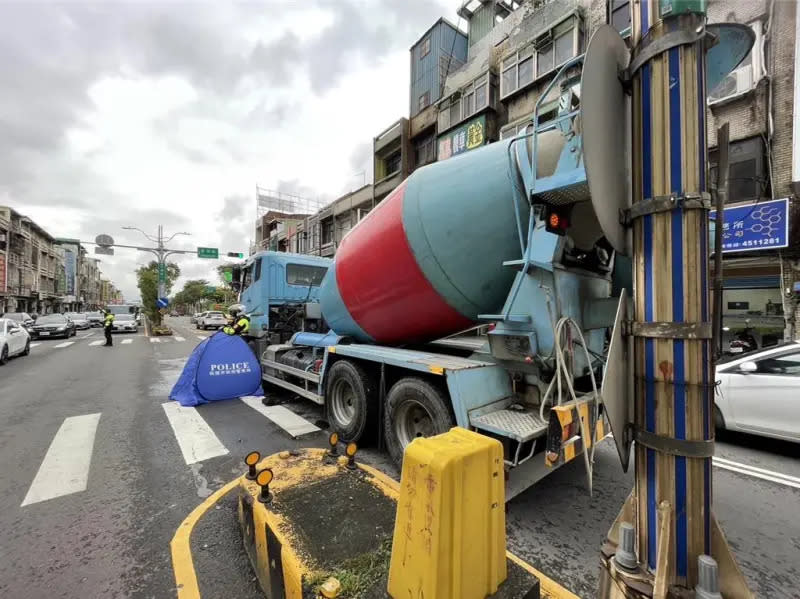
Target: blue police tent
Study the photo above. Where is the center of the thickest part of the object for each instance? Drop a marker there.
(220, 367)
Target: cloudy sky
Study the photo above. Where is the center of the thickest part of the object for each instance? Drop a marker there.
(147, 113)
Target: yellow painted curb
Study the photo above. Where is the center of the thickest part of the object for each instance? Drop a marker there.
(182, 565)
(549, 588)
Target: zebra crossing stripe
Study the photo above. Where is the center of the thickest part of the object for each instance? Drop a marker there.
(96, 343)
(155, 340)
(65, 468)
(286, 419)
(65, 344)
(35, 345)
(127, 341)
(179, 338)
(195, 438)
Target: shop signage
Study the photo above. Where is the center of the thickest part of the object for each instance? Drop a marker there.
(757, 226)
(468, 136)
(3, 273)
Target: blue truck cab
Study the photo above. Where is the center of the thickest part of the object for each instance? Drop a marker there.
(280, 292)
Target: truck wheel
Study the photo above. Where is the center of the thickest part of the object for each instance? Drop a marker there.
(349, 401)
(414, 408)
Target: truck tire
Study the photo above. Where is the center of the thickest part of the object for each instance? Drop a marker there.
(414, 408)
(350, 401)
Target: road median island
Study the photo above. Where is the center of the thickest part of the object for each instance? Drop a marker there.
(316, 523)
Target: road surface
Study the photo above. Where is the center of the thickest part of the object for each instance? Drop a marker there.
(99, 469)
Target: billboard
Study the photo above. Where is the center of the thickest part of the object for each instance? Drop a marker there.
(468, 136)
(756, 226)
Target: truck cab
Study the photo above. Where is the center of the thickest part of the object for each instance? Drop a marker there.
(280, 292)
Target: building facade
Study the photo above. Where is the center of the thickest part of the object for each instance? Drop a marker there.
(469, 89)
(30, 266)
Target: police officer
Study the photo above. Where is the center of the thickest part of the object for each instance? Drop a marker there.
(108, 323)
(240, 322)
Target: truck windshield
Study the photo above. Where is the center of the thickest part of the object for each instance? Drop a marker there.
(304, 274)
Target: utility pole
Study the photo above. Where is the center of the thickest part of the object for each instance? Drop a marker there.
(161, 252)
(666, 542)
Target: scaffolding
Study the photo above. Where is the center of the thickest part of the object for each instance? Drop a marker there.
(268, 200)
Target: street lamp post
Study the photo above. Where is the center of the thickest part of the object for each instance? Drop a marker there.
(161, 253)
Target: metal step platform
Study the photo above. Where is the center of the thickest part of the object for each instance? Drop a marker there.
(511, 420)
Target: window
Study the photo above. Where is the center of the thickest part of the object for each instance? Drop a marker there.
(469, 100)
(424, 101)
(327, 231)
(788, 364)
(248, 277)
(425, 151)
(747, 174)
(551, 49)
(305, 274)
(257, 270)
(620, 16)
(514, 130)
(742, 79)
(393, 163)
(425, 48)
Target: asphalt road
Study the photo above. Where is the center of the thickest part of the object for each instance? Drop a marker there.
(95, 482)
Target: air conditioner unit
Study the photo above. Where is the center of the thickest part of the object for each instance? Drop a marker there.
(736, 83)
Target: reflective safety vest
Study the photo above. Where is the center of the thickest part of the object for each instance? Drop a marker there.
(241, 327)
(109, 319)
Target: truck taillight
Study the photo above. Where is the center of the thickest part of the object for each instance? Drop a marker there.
(557, 220)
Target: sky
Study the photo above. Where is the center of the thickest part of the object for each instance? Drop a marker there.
(137, 114)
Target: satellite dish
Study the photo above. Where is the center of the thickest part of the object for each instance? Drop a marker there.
(605, 123)
(734, 42)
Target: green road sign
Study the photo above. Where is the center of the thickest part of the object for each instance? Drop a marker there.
(208, 252)
(228, 276)
(162, 272)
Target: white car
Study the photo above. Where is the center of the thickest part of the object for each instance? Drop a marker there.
(212, 320)
(124, 323)
(759, 392)
(14, 340)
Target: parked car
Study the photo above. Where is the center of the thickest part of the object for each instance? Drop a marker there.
(80, 320)
(195, 317)
(95, 318)
(22, 318)
(212, 320)
(14, 340)
(759, 392)
(124, 323)
(53, 325)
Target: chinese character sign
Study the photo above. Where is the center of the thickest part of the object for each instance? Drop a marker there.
(467, 137)
(758, 226)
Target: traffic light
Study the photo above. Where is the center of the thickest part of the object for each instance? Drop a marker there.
(556, 220)
(235, 255)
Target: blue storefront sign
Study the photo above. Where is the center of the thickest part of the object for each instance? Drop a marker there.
(757, 226)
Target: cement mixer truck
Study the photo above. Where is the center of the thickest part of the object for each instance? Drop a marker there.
(507, 238)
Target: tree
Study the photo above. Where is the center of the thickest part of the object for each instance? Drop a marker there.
(147, 279)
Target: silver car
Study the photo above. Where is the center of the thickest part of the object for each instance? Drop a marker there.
(79, 319)
(124, 323)
(759, 392)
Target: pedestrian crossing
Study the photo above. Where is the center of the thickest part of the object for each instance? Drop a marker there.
(126, 341)
(67, 466)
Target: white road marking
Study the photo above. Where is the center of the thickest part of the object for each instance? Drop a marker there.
(87, 335)
(127, 341)
(35, 344)
(155, 340)
(202, 337)
(96, 343)
(286, 419)
(65, 344)
(65, 468)
(747, 470)
(179, 338)
(195, 438)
